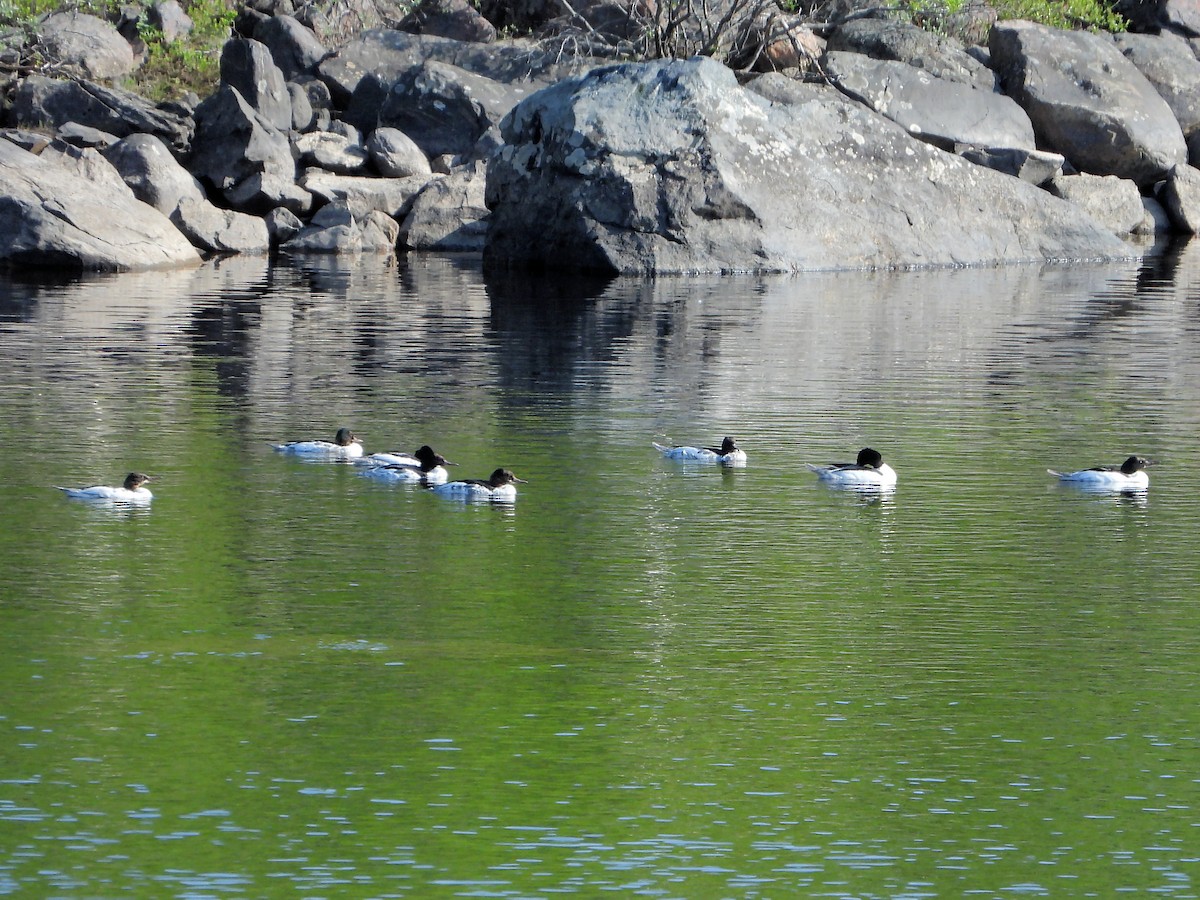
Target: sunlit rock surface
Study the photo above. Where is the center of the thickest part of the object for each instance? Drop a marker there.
(674, 167)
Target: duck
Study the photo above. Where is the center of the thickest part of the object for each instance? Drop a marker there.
(729, 453)
(1129, 476)
(501, 486)
(344, 446)
(868, 471)
(131, 491)
(427, 467)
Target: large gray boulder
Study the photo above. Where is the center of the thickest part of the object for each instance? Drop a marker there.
(233, 142)
(247, 66)
(395, 155)
(444, 109)
(1087, 101)
(1114, 201)
(895, 39)
(85, 45)
(1181, 197)
(41, 101)
(263, 191)
(455, 19)
(52, 216)
(944, 113)
(155, 177)
(294, 48)
(331, 151)
(216, 230)
(449, 214)
(673, 167)
(169, 18)
(152, 173)
(341, 228)
(1169, 64)
(89, 164)
(388, 195)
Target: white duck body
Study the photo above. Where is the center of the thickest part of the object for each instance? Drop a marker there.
(869, 471)
(729, 453)
(1129, 476)
(130, 492)
(501, 487)
(388, 459)
(427, 467)
(407, 474)
(344, 446)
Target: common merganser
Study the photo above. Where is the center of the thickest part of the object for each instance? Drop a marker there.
(426, 468)
(728, 455)
(501, 486)
(129, 492)
(1129, 476)
(344, 446)
(868, 471)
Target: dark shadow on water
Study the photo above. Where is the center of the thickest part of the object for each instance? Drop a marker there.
(550, 324)
(1160, 267)
(21, 289)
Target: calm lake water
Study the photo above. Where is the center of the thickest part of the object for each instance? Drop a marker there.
(642, 678)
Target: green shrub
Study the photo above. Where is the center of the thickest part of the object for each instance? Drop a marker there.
(1097, 15)
(192, 63)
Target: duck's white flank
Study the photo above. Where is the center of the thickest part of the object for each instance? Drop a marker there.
(1129, 476)
(501, 487)
(344, 446)
(132, 491)
(728, 454)
(868, 471)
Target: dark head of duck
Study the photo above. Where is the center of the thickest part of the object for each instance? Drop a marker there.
(1134, 464)
(869, 458)
(501, 477)
(727, 446)
(135, 480)
(345, 437)
(429, 459)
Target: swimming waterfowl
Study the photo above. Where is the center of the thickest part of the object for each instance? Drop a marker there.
(729, 453)
(427, 467)
(868, 471)
(501, 486)
(344, 446)
(1129, 476)
(129, 492)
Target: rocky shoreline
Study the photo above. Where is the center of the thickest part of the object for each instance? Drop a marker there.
(881, 145)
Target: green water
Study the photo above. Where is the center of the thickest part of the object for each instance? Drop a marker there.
(642, 678)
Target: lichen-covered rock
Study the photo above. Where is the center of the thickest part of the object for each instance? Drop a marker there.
(673, 167)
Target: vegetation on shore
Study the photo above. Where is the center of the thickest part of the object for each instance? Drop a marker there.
(191, 63)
